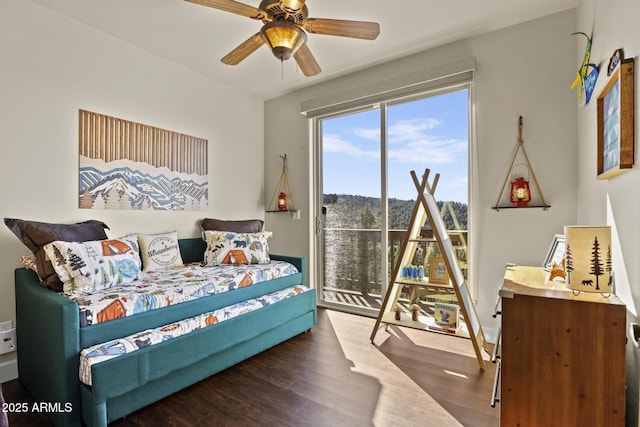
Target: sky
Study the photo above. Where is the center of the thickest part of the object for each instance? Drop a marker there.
(428, 133)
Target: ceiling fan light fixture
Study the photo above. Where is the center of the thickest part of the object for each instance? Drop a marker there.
(283, 38)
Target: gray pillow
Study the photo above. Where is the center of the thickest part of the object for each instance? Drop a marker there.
(35, 235)
(236, 226)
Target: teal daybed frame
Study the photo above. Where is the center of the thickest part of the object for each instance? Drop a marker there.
(50, 340)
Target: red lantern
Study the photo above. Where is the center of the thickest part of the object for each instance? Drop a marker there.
(520, 192)
(282, 202)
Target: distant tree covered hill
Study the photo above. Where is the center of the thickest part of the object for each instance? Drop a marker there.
(353, 211)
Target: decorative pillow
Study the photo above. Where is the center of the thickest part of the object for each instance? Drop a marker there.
(160, 251)
(95, 265)
(37, 234)
(239, 226)
(29, 261)
(226, 247)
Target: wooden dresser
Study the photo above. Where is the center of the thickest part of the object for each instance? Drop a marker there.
(561, 356)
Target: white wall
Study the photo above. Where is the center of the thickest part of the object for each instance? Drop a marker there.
(522, 70)
(614, 202)
(51, 67)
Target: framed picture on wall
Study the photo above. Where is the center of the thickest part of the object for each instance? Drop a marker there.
(615, 122)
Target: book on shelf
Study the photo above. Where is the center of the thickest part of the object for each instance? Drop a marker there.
(446, 315)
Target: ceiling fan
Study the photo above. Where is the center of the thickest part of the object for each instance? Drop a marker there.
(286, 24)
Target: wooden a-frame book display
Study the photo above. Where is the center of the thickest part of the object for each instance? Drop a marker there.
(426, 209)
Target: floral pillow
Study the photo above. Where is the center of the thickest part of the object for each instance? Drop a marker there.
(86, 267)
(226, 247)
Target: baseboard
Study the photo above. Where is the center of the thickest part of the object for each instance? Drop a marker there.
(8, 371)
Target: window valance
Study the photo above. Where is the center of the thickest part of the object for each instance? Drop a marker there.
(437, 76)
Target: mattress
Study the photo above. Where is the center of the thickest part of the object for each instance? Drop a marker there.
(126, 345)
(169, 287)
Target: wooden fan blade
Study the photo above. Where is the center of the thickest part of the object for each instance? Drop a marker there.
(233, 7)
(245, 49)
(306, 61)
(338, 27)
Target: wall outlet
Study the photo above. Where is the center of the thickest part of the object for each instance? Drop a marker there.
(5, 326)
(7, 341)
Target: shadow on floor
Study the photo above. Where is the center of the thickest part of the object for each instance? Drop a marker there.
(454, 380)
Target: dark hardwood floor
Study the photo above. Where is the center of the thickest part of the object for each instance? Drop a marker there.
(330, 376)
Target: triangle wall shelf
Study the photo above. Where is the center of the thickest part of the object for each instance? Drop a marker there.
(542, 204)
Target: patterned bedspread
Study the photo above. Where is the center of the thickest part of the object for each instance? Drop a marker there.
(105, 351)
(163, 288)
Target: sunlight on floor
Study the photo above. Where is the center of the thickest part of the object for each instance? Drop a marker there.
(456, 374)
(460, 344)
(401, 400)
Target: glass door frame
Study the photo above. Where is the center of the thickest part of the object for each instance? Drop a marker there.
(317, 241)
(318, 202)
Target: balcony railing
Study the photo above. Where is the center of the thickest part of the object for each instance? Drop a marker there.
(352, 261)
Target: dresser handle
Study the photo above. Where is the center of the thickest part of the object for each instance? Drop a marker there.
(494, 398)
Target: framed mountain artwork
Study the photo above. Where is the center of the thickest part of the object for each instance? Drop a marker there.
(128, 165)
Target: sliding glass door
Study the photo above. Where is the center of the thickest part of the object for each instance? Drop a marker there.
(365, 193)
(351, 209)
